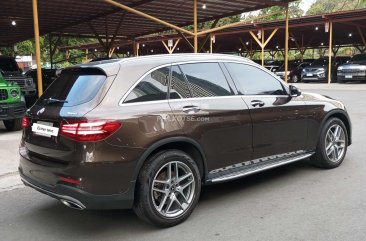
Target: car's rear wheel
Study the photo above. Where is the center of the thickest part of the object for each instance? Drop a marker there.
(13, 125)
(332, 144)
(168, 188)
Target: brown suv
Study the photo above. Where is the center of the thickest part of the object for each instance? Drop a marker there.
(147, 132)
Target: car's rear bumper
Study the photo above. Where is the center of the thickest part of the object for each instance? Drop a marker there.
(12, 111)
(37, 177)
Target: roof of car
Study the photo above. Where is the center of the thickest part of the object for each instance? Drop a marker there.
(111, 66)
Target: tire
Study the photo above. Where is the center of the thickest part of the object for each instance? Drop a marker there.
(295, 79)
(13, 125)
(332, 145)
(171, 202)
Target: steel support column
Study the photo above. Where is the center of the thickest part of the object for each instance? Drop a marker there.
(38, 47)
(263, 43)
(286, 45)
(330, 51)
(195, 26)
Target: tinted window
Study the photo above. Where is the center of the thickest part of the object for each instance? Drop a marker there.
(254, 81)
(179, 86)
(76, 86)
(8, 65)
(359, 57)
(206, 79)
(153, 87)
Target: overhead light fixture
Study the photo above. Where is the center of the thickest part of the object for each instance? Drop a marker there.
(204, 6)
(128, 52)
(117, 48)
(316, 28)
(247, 43)
(321, 44)
(143, 45)
(95, 50)
(178, 49)
(239, 49)
(277, 47)
(152, 51)
(350, 35)
(13, 23)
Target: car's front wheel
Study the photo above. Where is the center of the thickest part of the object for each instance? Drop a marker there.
(168, 188)
(332, 144)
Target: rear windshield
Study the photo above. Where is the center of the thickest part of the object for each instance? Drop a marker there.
(75, 86)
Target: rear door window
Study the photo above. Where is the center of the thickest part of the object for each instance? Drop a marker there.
(152, 87)
(75, 86)
(179, 86)
(206, 79)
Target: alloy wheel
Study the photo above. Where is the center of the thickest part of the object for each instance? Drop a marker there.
(335, 143)
(173, 189)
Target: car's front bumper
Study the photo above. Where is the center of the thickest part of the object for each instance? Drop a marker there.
(12, 111)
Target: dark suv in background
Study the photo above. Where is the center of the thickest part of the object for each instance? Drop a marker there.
(11, 73)
(318, 70)
(354, 70)
(295, 68)
(147, 132)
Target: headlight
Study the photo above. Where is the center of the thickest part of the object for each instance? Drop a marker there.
(29, 81)
(303, 71)
(319, 71)
(14, 93)
(340, 68)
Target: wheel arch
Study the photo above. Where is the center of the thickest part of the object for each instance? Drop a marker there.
(185, 144)
(343, 116)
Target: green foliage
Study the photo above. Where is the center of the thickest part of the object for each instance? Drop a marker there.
(278, 12)
(329, 6)
(28, 47)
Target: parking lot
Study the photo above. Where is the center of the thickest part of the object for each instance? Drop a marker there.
(295, 202)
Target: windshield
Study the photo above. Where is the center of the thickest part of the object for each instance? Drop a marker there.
(320, 62)
(358, 57)
(291, 66)
(8, 65)
(75, 87)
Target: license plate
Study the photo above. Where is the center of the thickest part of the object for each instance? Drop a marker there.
(348, 76)
(44, 129)
(309, 75)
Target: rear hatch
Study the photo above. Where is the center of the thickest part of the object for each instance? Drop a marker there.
(69, 97)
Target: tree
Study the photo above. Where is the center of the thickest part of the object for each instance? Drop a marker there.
(28, 48)
(329, 6)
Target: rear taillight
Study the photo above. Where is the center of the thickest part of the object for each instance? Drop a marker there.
(91, 130)
(25, 122)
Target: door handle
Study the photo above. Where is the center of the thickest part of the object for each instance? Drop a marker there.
(191, 109)
(256, 103)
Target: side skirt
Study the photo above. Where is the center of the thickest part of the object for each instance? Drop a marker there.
(245, 169)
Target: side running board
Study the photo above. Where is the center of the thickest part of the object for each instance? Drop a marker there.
(248, 170)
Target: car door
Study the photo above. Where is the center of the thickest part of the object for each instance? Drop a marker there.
(279, 126)
(214, 116)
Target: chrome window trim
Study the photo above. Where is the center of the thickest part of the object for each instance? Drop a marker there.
(199, 98)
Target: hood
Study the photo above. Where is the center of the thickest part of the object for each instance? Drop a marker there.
(354, 65)
(313, 97)
(12, 74)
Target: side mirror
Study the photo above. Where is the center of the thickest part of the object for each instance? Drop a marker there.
(294, 92)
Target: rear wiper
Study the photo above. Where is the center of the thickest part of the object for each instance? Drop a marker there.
(52, 100)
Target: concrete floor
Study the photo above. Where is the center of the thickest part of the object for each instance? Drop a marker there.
(295, 202)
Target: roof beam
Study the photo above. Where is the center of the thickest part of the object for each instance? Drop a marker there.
(141, 14)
